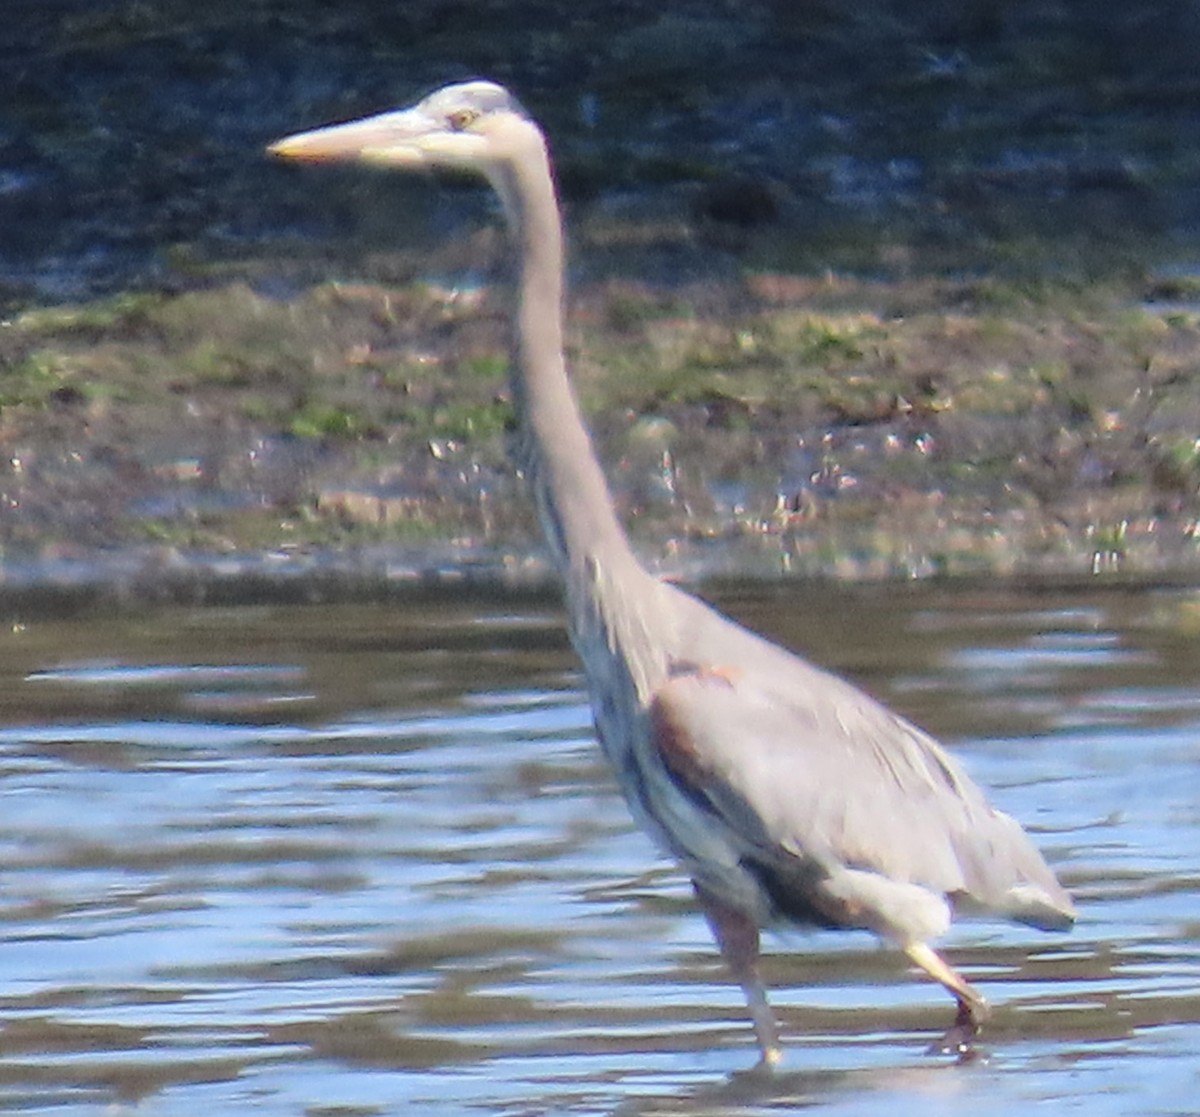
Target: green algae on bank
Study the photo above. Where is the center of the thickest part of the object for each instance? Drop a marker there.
(839, 426)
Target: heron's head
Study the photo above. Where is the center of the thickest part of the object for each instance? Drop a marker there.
(474, 125)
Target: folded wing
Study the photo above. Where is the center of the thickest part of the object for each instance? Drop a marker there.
(850, 815)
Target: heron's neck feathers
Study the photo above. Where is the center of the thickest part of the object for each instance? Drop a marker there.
(553, 446)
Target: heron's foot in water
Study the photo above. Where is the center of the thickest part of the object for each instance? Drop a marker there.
(765, 1069)
(769, 1058)
(959, 1041)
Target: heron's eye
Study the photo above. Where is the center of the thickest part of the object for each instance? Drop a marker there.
(461, 119)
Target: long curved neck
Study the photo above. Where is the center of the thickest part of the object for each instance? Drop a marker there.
(553, 446)
(616, 622)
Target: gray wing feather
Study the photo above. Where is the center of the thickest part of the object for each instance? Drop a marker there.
(799, 762)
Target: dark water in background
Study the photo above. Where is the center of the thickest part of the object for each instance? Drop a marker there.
(358, 860)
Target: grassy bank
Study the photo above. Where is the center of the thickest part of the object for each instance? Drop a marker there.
(835, 425)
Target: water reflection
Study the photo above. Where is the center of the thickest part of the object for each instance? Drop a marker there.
(358, 860)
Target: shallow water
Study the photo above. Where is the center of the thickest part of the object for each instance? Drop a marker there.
(367, 859)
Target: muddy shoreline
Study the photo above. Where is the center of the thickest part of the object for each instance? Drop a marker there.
(775, 425)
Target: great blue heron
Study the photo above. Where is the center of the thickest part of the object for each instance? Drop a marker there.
(787, 795)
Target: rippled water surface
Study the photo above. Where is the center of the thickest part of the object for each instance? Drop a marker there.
(366, 859)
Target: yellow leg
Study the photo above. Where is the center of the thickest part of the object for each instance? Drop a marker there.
(972, 1008)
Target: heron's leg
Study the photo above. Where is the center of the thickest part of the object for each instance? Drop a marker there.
(737, 936)
(972, 1008)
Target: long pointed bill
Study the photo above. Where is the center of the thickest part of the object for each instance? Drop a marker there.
(390, 137)
(406, 138)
